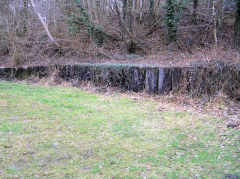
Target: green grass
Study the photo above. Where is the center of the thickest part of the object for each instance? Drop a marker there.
(54, 132)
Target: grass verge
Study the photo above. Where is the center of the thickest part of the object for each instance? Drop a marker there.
(54, 132)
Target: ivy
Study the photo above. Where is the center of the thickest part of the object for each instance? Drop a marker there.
(174, 12)
(79, 24)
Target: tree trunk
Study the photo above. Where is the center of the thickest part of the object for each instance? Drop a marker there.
(237, 23)
(131, 16)
(151, 8)
(195, 6)
(44, 25)
(130, 33)
(25, 4)
(214, 25)
(141, 10)
(172, 20)
(54, 13)
(124, 9)
(98, 11)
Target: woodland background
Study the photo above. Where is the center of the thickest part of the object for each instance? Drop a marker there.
(172, 32)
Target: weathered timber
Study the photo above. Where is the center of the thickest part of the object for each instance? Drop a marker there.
(137, 79)
(195, 80)
(151, 81)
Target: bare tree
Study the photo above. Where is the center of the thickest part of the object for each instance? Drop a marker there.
(44, 25)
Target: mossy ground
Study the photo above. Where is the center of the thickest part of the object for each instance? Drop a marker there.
(54, 132)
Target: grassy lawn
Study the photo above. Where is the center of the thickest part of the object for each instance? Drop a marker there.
(54, 132)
